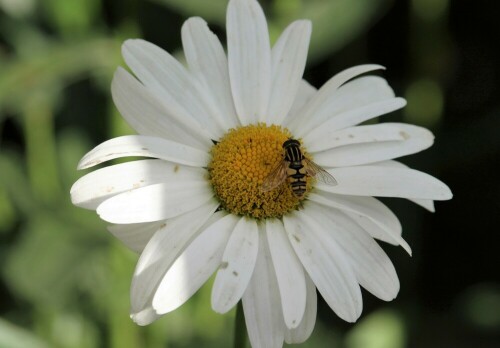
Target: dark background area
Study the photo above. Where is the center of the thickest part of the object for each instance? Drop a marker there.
(64, 281)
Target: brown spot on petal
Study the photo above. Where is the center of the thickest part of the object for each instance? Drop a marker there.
(405, 135)
(176, 168)
(223, 265)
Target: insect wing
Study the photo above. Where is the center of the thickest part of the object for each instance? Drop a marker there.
(314, 170)
(275, 178)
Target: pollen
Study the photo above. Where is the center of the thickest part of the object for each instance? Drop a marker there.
(241, 160)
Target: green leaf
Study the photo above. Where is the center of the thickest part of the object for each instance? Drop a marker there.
(335, 23)
(123, 332)
(7, 213)
(15, 183)
(66, 329)
(38, 126)
(380, 329)
(12, 336)
(213, 11)
(55, 67)
(73, 17)
(71, 146)
(54, 262)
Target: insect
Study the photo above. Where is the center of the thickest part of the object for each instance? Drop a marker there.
(295, 167)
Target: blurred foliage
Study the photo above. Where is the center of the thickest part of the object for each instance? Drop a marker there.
(425, 103)
(480, 306)
(335, 23)
(381, 329)
(13, 336)
(65, 281)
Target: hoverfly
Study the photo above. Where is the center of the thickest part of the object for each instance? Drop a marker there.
(295, 167)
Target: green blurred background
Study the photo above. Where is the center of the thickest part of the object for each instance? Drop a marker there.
(64, 281)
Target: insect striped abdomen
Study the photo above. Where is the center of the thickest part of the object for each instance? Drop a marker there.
(296, 168)
(296, 172)
(297, 178)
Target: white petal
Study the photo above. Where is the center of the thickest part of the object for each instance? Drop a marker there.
(237, 266)
(326, 264)
(358, 101)
(373, 268)
(149, 115)
(136, 236)
(194, 266)
(94, 188)
(145, 146)
(155, 202)
(366, 208)
(261, 302)
(306, 327)
(208, 63)
(289, 56)
(323, 138)
(425, 203)
(376, 231)
(412, 139)
(169, 80)
(387, 182)
(351, 117)
(162, 250)
(289, 273)
(249, 57)
(304, 94)
(325, 103)
(145, 317)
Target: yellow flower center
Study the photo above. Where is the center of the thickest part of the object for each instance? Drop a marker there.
(241, 161)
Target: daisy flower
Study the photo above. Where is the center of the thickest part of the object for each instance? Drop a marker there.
(213, 132)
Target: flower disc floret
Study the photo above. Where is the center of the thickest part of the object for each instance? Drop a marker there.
(241, 160)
